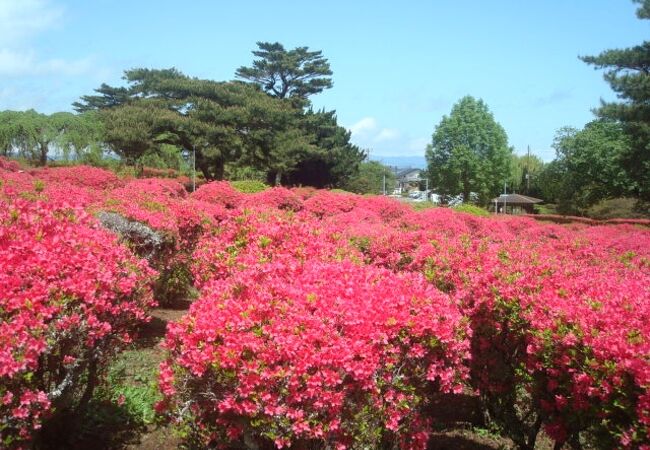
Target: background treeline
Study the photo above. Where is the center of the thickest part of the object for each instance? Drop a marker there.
(600, 170)
(263, 127)
(259, 127)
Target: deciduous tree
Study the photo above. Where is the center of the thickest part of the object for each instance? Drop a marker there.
(469, 152)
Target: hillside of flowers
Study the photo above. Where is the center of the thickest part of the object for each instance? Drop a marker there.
(321, 319)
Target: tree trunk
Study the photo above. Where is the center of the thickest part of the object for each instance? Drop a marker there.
(43, 153)
(466, 188)
(211, 172)
(278, 178)
(219, 169)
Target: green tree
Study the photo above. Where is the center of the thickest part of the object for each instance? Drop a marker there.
(221, 121)
(524, 174)
(33, 135)
(333, 159)
(628, 73)
(296, 73)
(588, 167)
(135, 129)
(370, 179)
(9, 131)
(108, 97)
(81, 137)
(469, 152)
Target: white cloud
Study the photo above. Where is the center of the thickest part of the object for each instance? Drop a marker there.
(21, 23)
(365, 125)
(387, 134)
(21, 20)
(16, 63)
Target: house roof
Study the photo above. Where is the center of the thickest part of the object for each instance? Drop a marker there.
(404, 172)
(516, 199)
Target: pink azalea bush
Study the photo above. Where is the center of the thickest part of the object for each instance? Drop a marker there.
(85, 176)
(70, 297)
(219, 192)
(325, 352)
(331, 319)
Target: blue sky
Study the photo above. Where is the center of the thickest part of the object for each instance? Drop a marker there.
(398, 66)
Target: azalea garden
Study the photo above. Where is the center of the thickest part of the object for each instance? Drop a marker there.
(319, 319)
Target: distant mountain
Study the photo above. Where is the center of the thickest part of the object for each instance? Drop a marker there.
(417, 162)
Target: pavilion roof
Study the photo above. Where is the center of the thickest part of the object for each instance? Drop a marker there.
(516, 199)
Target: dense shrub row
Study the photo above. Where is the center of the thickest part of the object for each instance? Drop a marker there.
(332, 319)
(70, 297)
(557, 315)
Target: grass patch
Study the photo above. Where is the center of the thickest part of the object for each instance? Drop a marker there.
(123, 405)
(249, 186)
(421, 206)
(472, 209)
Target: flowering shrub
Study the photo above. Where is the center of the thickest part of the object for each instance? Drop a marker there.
(325, 203)
(328, 318)
(159, 173)
(257, 238)
(85, 176)
(336, 353)
(219, 192)
(9, 165)
(160, 204)
(70, 298)
(277, 197)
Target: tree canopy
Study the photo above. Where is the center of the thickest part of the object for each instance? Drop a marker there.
(525, 173)
(32, 135)
(469, 152)
(588, 167)
(628, 73)
(296, 73)
(230, 124)
(370, 179)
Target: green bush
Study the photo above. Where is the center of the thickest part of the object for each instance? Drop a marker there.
(249, 186)
(471, 209)
(615, 208)
(547, 208)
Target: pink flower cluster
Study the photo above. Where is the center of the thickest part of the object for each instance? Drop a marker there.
(559, 313)
(314, 352)
(85, 176)
(70, 297)
(332, 318)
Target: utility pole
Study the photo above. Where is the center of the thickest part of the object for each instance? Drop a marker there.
(384, 182)
(193, 168)
(505, 193)
(528, 172)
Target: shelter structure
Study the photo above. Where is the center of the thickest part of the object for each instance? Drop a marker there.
(514, 204)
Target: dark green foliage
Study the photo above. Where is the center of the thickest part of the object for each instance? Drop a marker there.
(108, 97)
(333, 159)
(232, 126)
(469, 152)
(628, 73)
(615, 208)
(588, 167)
(296, 73)
(370, 179)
